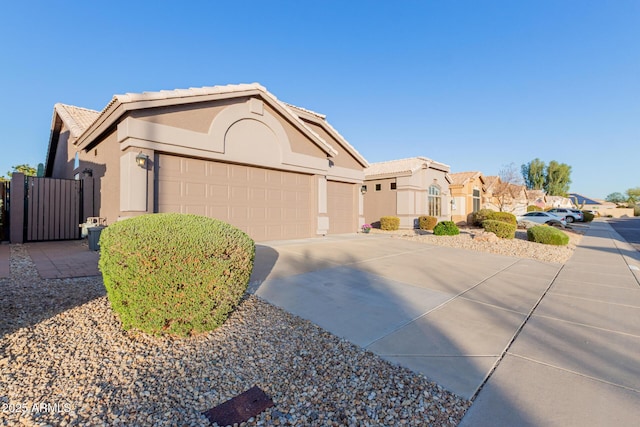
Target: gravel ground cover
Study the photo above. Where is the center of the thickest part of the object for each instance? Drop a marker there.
(476, 239)
(65, 361)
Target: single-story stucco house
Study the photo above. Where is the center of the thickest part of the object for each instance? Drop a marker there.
(407, 188)
(235, 153)
(467, 190)
(505, 196)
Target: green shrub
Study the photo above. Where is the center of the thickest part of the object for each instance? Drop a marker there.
(389, 223)
(636, 210)
(479, 216)
(533, 208)
(446, 228)
(500, 228)
(427, 222)
(174, 274)
(547, 235)
(507, 217)
(588, 216)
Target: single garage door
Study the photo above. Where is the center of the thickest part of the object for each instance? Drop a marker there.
(266, 204)
(341, 207)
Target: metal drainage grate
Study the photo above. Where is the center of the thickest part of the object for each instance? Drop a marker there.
(240, 408)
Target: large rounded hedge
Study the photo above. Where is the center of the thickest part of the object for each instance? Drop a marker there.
(446, 228)
(547, 235)
(500, 228)
(174, 274)
(507, 217)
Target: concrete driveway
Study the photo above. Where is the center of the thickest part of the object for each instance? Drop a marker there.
(532, 343)
(447, 313)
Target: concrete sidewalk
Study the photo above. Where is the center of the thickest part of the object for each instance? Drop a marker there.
(577, 360)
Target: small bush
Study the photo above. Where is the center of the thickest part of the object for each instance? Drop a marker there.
(533, 208)
(389, 223)
(588, 216)
(446, 228)
(479, 216)
(500, 228)
(427, 222)
(507, 217)
(547, 235)
(636, 210)
(174, 274)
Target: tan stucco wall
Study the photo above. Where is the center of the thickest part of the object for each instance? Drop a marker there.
(379, 203)
(343, 159)
(463, 194)
(195, 117)
(65, 153)
(103, 159)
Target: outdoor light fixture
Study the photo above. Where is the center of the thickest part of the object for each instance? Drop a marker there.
(141, 160)
(363, 190)
(87, 173)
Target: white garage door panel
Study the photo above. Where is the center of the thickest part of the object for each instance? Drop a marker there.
(267, 204)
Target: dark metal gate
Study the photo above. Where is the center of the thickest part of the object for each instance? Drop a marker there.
(4, 210)
(53, 209)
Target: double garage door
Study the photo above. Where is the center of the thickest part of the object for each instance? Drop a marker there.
(266, 204)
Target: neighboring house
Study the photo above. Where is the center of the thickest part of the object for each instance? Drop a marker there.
(467, 190)
(600, 207)
(536, 198)
(559, 202)
(505, 196)
(234, 152)
(406, 188)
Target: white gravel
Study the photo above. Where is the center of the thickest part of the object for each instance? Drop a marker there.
(65, 361)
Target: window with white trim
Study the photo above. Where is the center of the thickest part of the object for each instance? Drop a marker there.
(435, 201)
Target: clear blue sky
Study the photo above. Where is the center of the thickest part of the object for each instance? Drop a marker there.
(474, 84)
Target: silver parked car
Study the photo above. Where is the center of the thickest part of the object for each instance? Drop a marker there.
(571, 214)
(541, 217)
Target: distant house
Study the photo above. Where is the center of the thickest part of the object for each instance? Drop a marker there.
(468, 190)
(235, 153)
(407, 188)
(505, 196)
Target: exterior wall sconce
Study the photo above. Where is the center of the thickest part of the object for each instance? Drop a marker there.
(453, 204)
(87, 173)
(142, 159)
(363, 190)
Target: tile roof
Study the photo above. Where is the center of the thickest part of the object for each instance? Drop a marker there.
(402, 166)
(460, 178)
(76, 118)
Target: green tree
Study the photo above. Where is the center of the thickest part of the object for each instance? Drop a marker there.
(26, 169)
(557, 179)
(633, 195)
(534, 174)
(616, 198)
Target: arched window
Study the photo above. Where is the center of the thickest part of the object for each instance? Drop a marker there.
(435, 201)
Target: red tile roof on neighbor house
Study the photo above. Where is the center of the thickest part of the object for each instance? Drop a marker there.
(403, 167)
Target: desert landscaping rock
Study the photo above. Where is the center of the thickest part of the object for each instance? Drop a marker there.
(64, 361)
(478, 240)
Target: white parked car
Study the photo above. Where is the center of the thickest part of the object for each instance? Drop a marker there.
(570, 214)
(541, 217)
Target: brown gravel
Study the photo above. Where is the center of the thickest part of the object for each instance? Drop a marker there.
(65, 361)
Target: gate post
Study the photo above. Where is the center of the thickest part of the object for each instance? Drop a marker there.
(16, 208)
